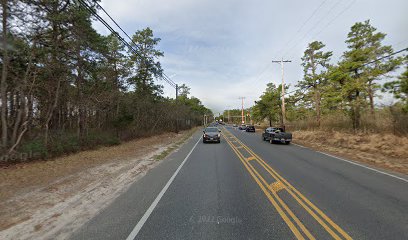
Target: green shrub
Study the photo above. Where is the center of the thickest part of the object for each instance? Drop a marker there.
(35, 147)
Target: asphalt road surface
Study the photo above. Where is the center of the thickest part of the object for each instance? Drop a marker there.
(245, 188)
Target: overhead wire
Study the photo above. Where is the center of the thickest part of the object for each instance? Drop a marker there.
(301, 27)
(311, 29)
(166, 78)
(338, 15)
(363, 65)
(162, 76)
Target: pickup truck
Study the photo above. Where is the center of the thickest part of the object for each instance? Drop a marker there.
(273, 135)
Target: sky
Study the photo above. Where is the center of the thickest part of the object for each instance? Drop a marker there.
(223, 49)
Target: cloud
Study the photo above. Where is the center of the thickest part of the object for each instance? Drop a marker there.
(222, 48)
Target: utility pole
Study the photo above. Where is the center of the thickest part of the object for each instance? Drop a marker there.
(242, 109)
(283, 120)
(228, 115)
(177, 88)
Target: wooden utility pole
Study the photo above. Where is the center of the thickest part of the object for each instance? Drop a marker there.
(242, 110)
(283, 120)
(228, 116)
(177, 88)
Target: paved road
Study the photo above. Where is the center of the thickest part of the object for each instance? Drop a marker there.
(244, 188)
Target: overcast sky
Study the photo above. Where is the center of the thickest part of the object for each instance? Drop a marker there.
(223, 49)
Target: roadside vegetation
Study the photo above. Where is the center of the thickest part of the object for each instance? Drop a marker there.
(333, 107)
(341, 96)
(66, 88)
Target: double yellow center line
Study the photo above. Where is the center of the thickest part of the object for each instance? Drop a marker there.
(272, 191)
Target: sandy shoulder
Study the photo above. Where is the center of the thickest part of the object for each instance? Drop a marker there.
(51, 199)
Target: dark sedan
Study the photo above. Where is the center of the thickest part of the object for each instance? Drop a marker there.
(250, 128)
(211, 134)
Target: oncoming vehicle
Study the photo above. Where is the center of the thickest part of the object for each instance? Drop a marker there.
(273, 135)
(250, 128)
(211, 134)
(242, 127)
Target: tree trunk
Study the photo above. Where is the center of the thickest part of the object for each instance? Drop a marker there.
(3, 84)
(79, 83)
(356, 114)
(371, 99)
(55, 74)
(50, 112)
(22, 107)
(318, 114)
(19, 118)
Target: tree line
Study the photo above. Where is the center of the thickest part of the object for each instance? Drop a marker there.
(65, 87)
(347, 88)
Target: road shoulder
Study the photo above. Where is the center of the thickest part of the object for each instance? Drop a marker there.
(119, 219)
(51, 199)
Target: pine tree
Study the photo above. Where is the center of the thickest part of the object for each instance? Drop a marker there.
(315, 64)
(354, 73)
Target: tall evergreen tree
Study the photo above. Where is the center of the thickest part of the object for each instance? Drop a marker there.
(145, 63)
(355, 73)
(315, 64)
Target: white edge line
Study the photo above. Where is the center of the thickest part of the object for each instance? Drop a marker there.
(146, 215)
(361, 165)
(299, 145)
(358, 164)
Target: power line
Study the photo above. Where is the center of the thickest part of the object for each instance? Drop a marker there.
(312, 28)
(257, 81)
(363, 65)
(381, 58)
(323, 28)
(338, 15)
(301, 27)
(163, 76)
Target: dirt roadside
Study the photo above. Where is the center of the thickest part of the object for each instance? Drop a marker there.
(50, 199)
(385, 151)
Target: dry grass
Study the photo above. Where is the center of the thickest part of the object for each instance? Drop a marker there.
(35, 196)
(23, 176)
(383, 150)
(385, 120)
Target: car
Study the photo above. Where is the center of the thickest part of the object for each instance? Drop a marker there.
(242, 127)
(250, 128)
(211, 134)
(273, 135)
(265, 134)
(234, 125)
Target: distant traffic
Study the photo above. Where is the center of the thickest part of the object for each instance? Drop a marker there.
(271, 134)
